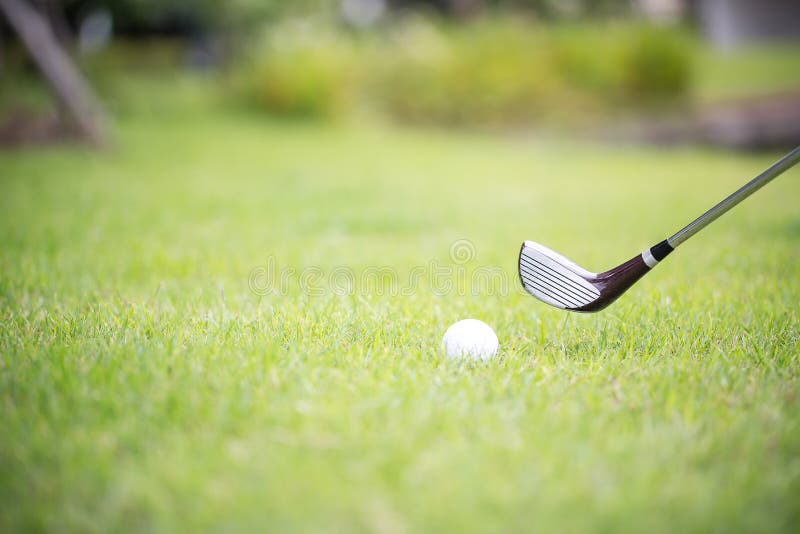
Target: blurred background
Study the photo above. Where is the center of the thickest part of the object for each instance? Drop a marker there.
(720, 72)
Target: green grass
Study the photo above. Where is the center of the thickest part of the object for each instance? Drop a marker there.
(144, 387)
(747, 72)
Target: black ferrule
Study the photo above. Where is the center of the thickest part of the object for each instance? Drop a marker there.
(661, 250)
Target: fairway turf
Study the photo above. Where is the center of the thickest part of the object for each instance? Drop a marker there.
(145, 386)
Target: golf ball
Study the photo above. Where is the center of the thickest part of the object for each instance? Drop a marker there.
(470, 338)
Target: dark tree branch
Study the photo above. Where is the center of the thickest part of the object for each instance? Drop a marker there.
(70, 88)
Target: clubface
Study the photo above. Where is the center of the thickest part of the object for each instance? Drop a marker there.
(559, 282)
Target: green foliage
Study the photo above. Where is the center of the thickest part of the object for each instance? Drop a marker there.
(492, 71)
(624, 64)
(656, 65)
(299, 70)
(480, 74)
(588, 57)
(501, 71)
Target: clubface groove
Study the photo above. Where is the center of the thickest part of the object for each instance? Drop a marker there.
(545, 275)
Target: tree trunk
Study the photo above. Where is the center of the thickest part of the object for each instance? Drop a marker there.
(63, 76)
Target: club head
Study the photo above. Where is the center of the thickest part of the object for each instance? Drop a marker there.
(559, 282)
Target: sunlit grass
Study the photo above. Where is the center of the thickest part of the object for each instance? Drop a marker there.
(747, 72)
(143, 386)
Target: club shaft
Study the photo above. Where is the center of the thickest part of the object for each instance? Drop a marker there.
(786, 162)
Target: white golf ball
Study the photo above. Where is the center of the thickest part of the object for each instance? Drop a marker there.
(470, 338)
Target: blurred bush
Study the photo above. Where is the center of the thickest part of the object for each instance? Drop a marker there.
(299, 69)
(484, 73)
(625, 64)
(656, 65)
(488, 72)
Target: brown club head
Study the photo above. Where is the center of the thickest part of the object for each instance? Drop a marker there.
(555, 280)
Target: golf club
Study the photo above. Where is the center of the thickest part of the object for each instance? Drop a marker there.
(555, 280)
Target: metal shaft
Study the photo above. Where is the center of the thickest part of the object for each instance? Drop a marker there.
(786, 162)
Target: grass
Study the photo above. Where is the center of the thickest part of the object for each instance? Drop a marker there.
(751, 71)
(145, 387)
